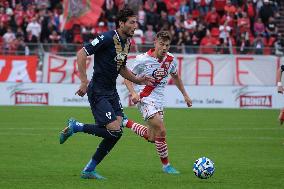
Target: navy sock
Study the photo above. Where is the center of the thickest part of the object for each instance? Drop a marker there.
(101, 131)
(104, 148)
(78, 127)
(91, 165)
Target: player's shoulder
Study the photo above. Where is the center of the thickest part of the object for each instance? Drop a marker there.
(141, 57)
(170, 55)
(108, 35)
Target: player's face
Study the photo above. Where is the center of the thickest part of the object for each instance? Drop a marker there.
(162, 47)
(129, 26)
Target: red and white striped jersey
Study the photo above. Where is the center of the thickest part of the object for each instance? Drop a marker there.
(147, 64)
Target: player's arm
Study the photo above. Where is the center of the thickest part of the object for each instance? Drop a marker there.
(143, 80)
(134, 96)
(280, 88)
(178, 82)
(89, 49)
(81, 62)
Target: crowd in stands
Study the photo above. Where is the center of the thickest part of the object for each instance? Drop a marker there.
(197, 26)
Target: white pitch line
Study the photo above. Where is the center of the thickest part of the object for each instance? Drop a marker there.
(170, 129)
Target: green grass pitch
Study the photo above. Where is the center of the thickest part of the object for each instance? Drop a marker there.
(247, 147)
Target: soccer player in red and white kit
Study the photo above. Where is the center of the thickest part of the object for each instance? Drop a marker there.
(160, 64)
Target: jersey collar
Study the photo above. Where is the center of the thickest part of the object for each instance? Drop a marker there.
(151, 54)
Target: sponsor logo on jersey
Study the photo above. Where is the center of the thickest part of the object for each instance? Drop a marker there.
(160, 73)
(120, 57)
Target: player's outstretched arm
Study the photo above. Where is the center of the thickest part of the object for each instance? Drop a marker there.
(143, 80)
(178, 82)
(81, 62)
(280, 88)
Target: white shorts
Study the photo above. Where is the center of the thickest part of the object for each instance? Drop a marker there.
(148, 108)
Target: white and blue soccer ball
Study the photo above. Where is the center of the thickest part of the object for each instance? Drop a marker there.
(203, 168)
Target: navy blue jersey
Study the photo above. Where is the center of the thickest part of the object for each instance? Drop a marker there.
(110, 54)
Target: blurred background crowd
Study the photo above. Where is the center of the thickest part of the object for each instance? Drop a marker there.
(197, 26)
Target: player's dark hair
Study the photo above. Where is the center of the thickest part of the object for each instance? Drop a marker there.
(164, 35)
(123, 15)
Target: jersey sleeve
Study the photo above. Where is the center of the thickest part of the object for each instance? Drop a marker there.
(98, 43)
(137, 65)
(173, 68)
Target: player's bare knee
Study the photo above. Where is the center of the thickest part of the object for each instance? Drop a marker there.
(161, 131)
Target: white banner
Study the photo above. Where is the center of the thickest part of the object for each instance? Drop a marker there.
(237, 70)
(202, 96)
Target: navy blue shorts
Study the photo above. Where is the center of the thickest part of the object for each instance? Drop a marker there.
(105, 107)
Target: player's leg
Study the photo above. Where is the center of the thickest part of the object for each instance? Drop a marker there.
(106, 144)
(281, 116)
(140, 129)
(103, 113)
(103, 149)
(156, 121)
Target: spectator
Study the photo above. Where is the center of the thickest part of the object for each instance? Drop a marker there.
(8, 38)
(230, 8)
(161, 7)
(111, 11)
(22, 48)
(265, 12)
(213, 19)
(34, 27)
(243, 44)
(188, 43)
(3, 29)
(151, 14)
(271, 28)
(279, 46)
(20, 33)
(259, 27)
(258, 44)
(190, 24)
(5, 18)
(180, 42)
(208, 44)
(88, 33)
(149, 35)
(163, 23)
(249, 9)
(243, 23)
(224, 31)
(142, 18)
(54, 37)
(184, 8)
(172, 7)
(220, 6)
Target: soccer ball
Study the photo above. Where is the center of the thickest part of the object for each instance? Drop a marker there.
(203, 168)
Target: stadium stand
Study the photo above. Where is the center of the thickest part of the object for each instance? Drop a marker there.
(197, 26)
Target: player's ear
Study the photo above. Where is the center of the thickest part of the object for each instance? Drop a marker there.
(121, 24)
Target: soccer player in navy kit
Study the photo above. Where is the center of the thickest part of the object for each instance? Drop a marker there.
(110, 51)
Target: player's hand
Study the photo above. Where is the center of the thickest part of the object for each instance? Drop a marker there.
(188, 101)
(146, 80)
(280, 89)
(135, 98)
(82, 89)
